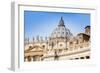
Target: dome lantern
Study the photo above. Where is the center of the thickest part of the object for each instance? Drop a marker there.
(61, 22)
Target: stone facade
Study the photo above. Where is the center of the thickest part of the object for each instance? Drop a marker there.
(60, 45)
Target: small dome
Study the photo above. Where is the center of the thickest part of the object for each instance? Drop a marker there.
(61, 31)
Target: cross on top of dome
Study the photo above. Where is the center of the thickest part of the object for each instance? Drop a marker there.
(61, 22)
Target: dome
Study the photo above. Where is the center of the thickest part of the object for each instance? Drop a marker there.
(61, 30)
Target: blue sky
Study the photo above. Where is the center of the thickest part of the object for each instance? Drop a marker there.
(43, 23)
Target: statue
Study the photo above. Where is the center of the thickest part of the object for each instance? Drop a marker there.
(37, 38)
(33, 39)
(41, 38)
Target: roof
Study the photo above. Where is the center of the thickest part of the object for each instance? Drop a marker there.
(87, 27)
(85, 36)
(61, 22)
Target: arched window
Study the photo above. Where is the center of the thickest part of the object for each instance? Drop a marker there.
(29, 58)
(87, 57)
(61, 45)
(43, 46)
(81, 57)
(30, 47)
(76, 58)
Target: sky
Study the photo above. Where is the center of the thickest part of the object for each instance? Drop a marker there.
(38, 23)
